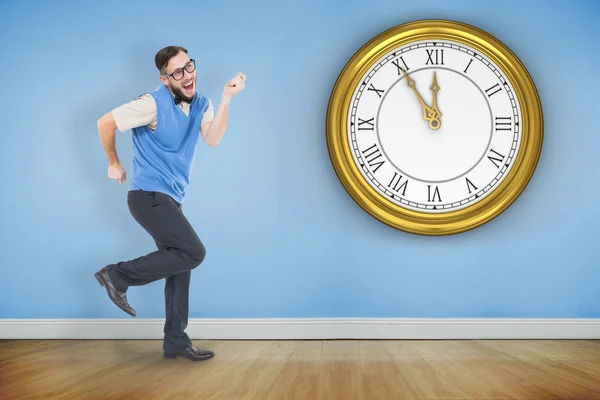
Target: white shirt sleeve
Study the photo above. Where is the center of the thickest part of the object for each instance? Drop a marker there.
(138, 112)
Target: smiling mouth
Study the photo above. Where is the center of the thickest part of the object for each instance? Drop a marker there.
(189, 86)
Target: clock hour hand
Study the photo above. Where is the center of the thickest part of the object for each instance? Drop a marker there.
(435, 88)
(429, 114)
(434, 123)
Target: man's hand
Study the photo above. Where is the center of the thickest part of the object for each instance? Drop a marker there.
(235, 85)
(117, 172)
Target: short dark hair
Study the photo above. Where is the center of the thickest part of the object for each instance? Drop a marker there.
(164, 55)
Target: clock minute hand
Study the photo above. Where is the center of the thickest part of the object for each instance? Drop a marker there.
(428, 112)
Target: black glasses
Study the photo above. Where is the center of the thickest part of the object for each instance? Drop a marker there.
(178, 73)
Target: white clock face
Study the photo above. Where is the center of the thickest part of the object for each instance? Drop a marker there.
(434, 126)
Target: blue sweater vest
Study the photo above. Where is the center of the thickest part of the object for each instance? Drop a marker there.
(163, 159)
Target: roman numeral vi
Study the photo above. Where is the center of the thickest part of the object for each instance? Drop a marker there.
(430, 197)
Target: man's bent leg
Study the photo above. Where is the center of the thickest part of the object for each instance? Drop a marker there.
(180, 249)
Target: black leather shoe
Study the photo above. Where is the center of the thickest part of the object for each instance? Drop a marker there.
(191, 353)
(118, 297)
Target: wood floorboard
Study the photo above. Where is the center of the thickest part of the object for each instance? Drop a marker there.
(303, 370)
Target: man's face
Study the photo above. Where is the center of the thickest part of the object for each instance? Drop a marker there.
(181, 83)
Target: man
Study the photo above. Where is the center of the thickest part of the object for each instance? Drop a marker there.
(166, 124)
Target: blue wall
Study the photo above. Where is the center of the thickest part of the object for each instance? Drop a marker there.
(283, 238)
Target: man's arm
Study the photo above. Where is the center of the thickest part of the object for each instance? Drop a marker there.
(107, 128)
(213, 131)
(141, 111)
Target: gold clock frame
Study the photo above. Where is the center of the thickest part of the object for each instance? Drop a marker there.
(451, 222)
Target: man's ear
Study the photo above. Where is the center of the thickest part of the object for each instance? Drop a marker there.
(163, 79)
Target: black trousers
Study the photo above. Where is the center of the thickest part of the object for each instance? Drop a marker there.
(179, 252)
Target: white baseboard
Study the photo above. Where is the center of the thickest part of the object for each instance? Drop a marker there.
(340, 328)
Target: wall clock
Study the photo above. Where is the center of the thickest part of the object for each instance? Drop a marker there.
(434, 127)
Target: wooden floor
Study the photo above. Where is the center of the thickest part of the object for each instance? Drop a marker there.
(312, 370)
